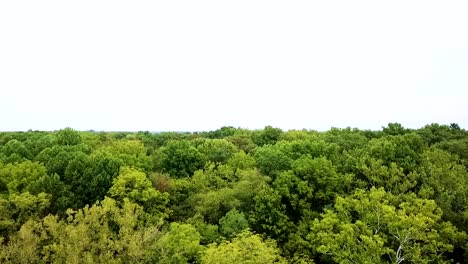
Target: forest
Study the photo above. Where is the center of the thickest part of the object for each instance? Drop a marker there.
(235, 195)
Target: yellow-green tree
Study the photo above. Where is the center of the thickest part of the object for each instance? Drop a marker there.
(102, 233)
(246, 248)
(376, 227)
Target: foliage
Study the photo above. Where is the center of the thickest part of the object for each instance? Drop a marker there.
(268, 136)
(133, 185)
(181, 244)
(103, 233)
(271, 160)
(68, 137)
(246, 248)
(233, 223)
(217, 150)
(180, 158)
(375, 227)
(130, 152)
(234, 195)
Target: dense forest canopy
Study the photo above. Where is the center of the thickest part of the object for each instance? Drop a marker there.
(234, 195)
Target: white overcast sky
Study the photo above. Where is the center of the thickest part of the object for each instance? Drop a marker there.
(199, 65)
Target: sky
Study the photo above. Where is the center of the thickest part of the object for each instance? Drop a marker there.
(200, 65)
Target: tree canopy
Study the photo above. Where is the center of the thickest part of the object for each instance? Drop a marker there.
(235, 195)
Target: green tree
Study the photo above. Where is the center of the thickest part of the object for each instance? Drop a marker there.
(242, 139)
(394, 129)
(223, 132)
(19, 177)
(314, 148)
(390, 176)
(95, 180)
(233, 223)
(446, 181)
(345, 139)
(133, 185)
(103, 233)
(269, 215)
(181, 244)
(15, 150)
(268, 136)
(217, 150)
(457, 147)
(57, 157)
(209, 233)
(20, 200)
(375, 227)
(246, 248)
(38, 141)
(68, 137)
(298, 135)
(180, 158)
(435, 133)
(271, 160)
(215, 203)
(16, 209)
(215, 194)
(241, 161)
(130, 152)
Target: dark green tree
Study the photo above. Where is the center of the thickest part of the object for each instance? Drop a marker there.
(268, 136)
(68, 137)
(180, 158)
